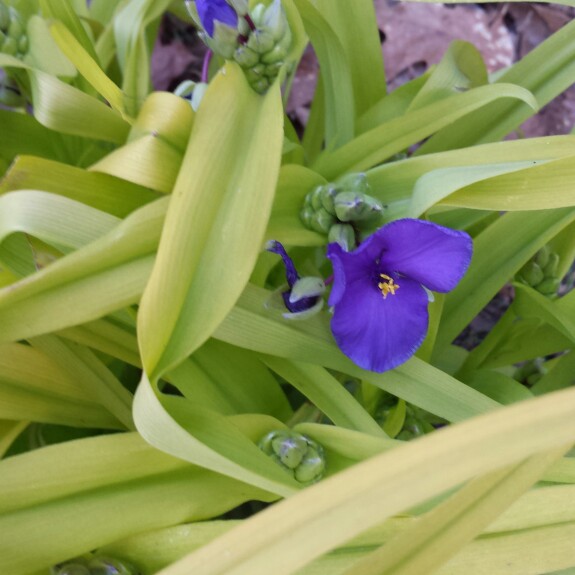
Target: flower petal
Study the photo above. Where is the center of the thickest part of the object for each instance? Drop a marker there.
(435, 256)
(356, 263)
(275, 247)
(376, 333)
(211, 11)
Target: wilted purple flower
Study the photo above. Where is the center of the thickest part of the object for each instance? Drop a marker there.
(380, 305)
(212, 11)
(303, 296)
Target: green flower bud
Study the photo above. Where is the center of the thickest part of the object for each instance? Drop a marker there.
(548, 286)
(272, 70)
(299, 455)
(275, 56)
(306, 215)
(306, 287)
(315, 198)
(354, 206)
(257, 14)
(10, 46)
(342, 234)
(542, 256)
(274, 20)
(550, 269)
(261, 41)
(532, 273)
(322, 221)
(13, 38)
(356, 182)
(246, 57)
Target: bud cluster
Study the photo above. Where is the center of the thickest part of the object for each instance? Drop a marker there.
(540, 272)
(299, 455)
(259, 40)
(94, 565)
(342, 209)
(13, 36)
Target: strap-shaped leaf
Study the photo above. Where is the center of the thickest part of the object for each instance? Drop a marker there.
(387, 139)
(215, 222)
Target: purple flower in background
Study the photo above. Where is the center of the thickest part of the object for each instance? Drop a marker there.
(380, 305)
(212, 11)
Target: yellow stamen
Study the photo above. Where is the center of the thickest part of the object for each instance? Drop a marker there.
(388, 286)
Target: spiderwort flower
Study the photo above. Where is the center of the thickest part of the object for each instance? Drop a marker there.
(379, 299)
(212, 11)
(303, 296)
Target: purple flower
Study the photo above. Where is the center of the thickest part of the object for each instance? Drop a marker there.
(212, 11)
(380, 305)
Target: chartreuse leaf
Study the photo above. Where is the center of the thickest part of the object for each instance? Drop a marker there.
(64, 12)
(461, 68)
(134, 44)
(242, 383)
(97, 381)
(530, 303)
(392, 105)
(60, 222)
(101, 191)
(355, 25)
(499, 252)
(439, 186)
(101, 489)
(88, 66)
(66, 109)
(44, 53)
(506, 187)
(104, 276)
(498, 386)
(23, 134)
(156, 144)
(395, 181)
(56, 220)
(546, 72)
(330, 513)
(438, 535)
(336, 75)
(9, 431)
(106, 336)
(33, 387)
(382, 142)
(215, 222)
(326, 393)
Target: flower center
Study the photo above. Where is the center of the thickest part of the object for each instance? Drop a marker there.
(387, 286)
